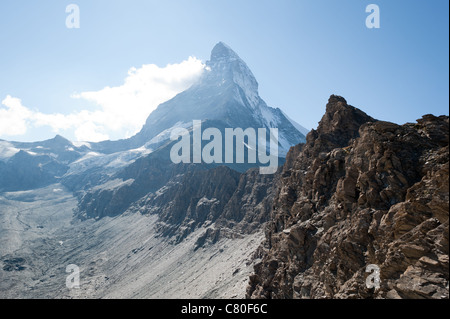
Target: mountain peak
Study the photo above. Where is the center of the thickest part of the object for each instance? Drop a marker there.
(222, 51)
(228, 92)
(60, 138)
(341, 121)
(228, 68)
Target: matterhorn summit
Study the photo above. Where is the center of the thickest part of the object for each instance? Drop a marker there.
(226, 92)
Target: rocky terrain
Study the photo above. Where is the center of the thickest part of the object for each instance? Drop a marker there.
(360, 192)
(119, 257)
(357, 192)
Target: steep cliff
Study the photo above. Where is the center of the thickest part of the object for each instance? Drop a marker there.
(360, 192)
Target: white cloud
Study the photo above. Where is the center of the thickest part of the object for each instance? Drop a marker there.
(90, 132)
(123, 108)
(128, 106)
(16, 118)
(13, 118)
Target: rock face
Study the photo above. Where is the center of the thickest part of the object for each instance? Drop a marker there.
(223, 202)
(360, 192)
(185, 197)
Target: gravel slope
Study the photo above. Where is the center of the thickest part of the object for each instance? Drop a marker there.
(120, 257)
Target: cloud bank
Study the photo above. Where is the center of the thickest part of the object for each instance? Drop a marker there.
(123, 108)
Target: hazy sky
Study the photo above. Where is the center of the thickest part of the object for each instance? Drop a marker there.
(103, 79)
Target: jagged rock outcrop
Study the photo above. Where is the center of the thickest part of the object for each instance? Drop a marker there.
(196, 198)
(247, 210)
(222, 201)
(360, 192)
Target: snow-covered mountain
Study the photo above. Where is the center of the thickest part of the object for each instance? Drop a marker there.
(228, 92)
(226, 96)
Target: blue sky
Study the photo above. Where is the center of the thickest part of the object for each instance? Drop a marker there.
(301, 52)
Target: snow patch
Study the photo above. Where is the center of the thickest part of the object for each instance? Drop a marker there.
(89, 155)
(80, 144)
(269, 118)
(7, 150)
(165, 135)
(110, 161)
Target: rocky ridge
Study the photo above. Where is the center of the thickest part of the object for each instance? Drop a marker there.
(360, 192)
